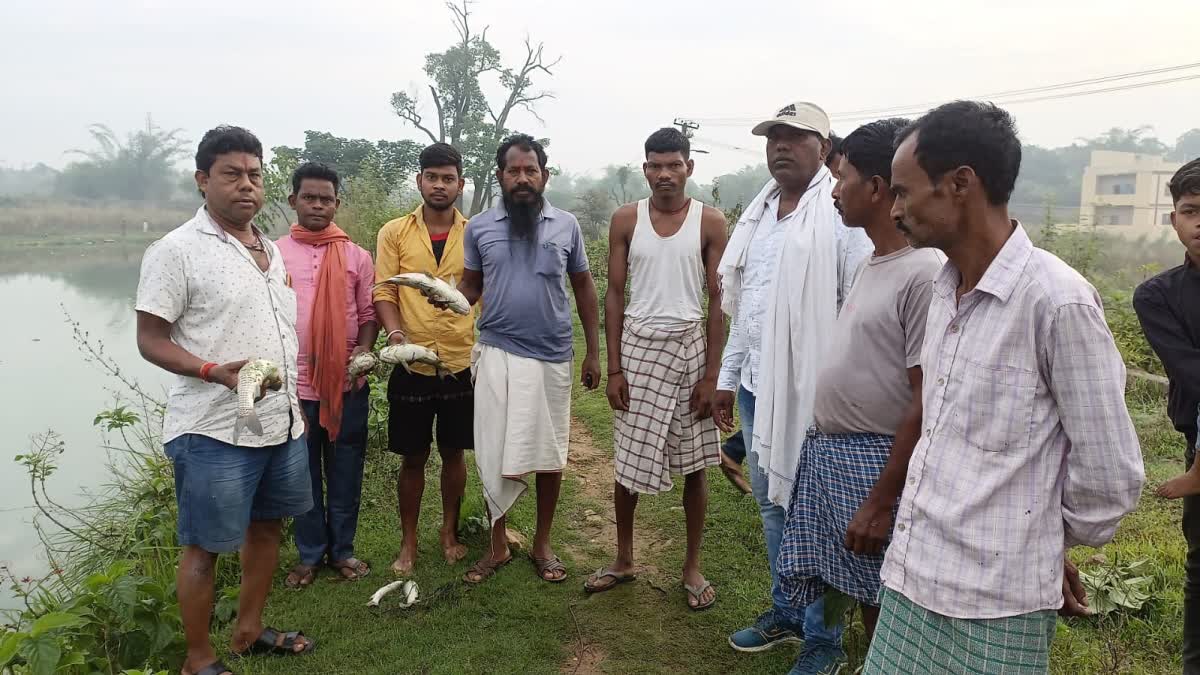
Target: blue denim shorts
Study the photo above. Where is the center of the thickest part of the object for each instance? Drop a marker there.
(220, 488)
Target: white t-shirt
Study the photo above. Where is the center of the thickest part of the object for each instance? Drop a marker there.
(223, 308)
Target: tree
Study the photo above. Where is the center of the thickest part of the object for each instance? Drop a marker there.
(1127, 140)
(462, 116)
(138, 168)
(593, 208)
(1187, 146)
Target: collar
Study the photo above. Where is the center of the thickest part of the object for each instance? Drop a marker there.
(547, 210)
(1001, 276)
(418, 217)
(206, 225)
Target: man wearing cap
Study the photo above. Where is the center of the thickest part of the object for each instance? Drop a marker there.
(789, 264)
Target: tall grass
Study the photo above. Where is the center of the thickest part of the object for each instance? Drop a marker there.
(32, 218)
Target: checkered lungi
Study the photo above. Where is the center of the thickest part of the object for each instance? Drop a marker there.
(833, 478)
(658, 435)
(912, 639)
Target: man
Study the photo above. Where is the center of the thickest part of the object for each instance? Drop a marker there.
(332, 278)
(789, 264)
(1170, 316)
(516, 255)
(430, 239)
(663, 354)
(1027, 447)
(867, 415)
(212, 294)
(834, 161)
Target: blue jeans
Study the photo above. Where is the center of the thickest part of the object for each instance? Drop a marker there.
(220, 488)
(773, 518)
(328, 528)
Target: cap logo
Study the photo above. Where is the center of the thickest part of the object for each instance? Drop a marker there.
(789, 111)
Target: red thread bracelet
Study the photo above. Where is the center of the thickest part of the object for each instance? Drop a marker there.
(205, 369)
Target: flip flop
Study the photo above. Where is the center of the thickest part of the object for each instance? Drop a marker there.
(214, 668)
(618, 578)
(484, 569)
(551, 564)
(698, 591)
(358, 569)
(300, 577)
(265, 643)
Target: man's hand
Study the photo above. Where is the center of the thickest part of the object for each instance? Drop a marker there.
(227, 374)
(397, 338)
(702, 398)
(618, 392)
(722, 410)
(591, 371)
(1075, 602)
(869, 529)
(360, 349)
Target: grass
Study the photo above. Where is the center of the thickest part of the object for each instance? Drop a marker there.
(515, 623)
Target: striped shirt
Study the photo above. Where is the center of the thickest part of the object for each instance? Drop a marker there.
(1028, 448)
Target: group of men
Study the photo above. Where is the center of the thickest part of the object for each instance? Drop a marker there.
(932, 409)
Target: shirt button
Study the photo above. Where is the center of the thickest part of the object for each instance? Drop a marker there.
(929, 432)
(912, 481)
(954, 328)
(941, 381)
(900, 527)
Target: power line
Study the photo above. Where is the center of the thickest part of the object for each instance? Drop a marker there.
(871, 113)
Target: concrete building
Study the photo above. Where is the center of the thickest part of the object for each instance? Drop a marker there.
(1125, 193)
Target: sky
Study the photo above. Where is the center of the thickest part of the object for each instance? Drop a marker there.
(627, 67)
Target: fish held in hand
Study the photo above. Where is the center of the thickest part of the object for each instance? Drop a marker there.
(408, 354)
(433, 288)
(251, 379)
(361, 365)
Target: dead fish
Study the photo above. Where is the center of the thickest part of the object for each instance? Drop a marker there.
(410, 594)
(361, 365)
(250, 380)
(434, 288)
(408, 354)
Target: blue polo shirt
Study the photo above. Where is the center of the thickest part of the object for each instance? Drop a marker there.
(526, 311)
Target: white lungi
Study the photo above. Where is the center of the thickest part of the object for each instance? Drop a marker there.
(522, 421)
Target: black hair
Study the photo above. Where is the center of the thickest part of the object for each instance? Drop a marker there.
(316, 171)
(969, 133)
(441, 154)
(523, 141)
(870, 147)
(669, 139)
(224, 140)
(835, 146)
(1186, 181)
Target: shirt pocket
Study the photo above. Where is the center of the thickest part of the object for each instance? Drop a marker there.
(550, 260)
(995, 412)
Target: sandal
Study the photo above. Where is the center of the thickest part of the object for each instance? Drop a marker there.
(697, 592)
(268, 642)
(214, 668)
(618, 578)
(485, 569)
(356, 569)
(551, 564)
(301, 577)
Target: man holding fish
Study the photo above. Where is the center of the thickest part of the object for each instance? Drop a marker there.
(427, 241)
(519, 256)
(213, 294)
(332, 278)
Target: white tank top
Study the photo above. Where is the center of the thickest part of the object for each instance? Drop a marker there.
(666, 274)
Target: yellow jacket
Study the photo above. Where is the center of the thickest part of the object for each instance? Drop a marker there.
(404, 246)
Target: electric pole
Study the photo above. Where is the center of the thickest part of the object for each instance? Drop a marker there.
(688, 127)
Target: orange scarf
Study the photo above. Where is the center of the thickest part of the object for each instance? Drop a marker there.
(327, 353)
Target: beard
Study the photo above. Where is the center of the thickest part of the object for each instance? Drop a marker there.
(523, 215)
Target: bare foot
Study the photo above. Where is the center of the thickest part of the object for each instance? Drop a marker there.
(1184, 485)
(452, 550)
(404, 563)
(694, 579)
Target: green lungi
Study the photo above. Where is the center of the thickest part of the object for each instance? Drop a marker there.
(912, 639)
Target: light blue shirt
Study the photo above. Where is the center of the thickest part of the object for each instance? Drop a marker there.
(743, 349)
(526, 311)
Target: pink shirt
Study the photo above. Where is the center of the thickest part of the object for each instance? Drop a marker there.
(303, 264)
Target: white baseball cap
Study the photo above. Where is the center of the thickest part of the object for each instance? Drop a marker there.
(800, 115)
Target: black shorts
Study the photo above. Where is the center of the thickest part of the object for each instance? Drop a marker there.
(414, 401)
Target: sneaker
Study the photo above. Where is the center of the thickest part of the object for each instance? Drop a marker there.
(768, 631)
(819, 660)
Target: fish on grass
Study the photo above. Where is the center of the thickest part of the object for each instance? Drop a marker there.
(433, 288)
(251, 379)
(410, 593)
(408, 354)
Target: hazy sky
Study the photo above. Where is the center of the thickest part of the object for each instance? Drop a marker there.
(628, 66)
